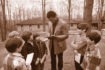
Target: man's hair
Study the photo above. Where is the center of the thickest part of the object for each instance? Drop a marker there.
(26, 35)
(12, 44)
(51, 14)
(94, 36)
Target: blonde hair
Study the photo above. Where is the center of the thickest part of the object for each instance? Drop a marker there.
(13, 34)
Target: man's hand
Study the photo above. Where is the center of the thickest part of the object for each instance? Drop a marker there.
(52, 37)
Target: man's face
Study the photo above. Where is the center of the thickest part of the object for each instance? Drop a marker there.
(53, 19)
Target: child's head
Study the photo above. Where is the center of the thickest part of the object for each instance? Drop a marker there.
(13, 34)
(83, 27)
(26, 36)
(14, 45)
(94, 36)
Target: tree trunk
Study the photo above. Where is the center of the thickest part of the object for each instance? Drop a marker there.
(43, 14)
(69, 2)
(3, 24)
(88, 7)
(100, 13)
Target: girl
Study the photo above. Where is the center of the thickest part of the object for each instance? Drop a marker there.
(41, 53)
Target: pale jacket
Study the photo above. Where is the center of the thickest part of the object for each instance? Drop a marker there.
(96, 53)
(14, 61)
(79, 45)
(61, 29)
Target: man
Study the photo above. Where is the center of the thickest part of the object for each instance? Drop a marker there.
(58, 30)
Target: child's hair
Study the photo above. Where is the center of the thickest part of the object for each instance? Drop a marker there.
(26, 35)
(83, 26)
(94, 36)
(12, 44)
(13, 34)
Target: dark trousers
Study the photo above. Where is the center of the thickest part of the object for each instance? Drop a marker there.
(38, 67)
(54, 61)
(78, 65)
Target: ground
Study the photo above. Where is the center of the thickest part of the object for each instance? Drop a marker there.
(68, 55)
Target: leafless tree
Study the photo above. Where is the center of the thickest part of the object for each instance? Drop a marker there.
(88, 7)
(43, 11)
(3, 19)
(100, 13)
(69, 2)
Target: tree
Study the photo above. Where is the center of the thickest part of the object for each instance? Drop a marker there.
(88, 7)
(69, 2)
(3, 19)
(100, 13)
(43, 15)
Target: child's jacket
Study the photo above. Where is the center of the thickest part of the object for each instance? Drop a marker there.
(14, 61)
(92, 59)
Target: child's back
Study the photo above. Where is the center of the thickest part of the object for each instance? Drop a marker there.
(14, 61)
(92, 56)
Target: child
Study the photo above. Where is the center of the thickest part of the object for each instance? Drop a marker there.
(41, 49)
(28, 47)
(14, 60)
(79, 45)
(92, 56)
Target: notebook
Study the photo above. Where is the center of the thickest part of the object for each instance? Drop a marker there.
(29, 58)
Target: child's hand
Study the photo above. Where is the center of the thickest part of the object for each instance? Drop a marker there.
(43, 58)
(28, 67)
(37, 61)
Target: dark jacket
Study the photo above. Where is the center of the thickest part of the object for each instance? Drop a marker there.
(41, 48)
(29, 48)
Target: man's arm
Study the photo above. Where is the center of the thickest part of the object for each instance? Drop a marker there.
(61, 37)
(64, 33)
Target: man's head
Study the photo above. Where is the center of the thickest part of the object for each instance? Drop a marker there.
(52, 16)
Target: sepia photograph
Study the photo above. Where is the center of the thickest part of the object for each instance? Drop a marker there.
(52, 34)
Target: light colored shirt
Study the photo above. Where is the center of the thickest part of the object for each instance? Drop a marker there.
(14, 61)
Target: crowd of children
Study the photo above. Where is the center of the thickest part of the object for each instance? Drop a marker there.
(19, 48)
(86, 49)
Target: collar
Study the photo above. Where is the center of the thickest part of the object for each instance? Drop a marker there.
(30, 43)
(96, 45)
(17, 54)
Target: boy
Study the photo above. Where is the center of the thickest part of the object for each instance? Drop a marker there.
(28, 47)
(14, 60)
(92, 56)
(79, 45)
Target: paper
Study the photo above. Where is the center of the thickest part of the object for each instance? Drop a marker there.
(43, 58)
(77, 57)
(43, 39)
(29, 58)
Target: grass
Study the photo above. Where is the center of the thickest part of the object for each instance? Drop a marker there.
(68, 56)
